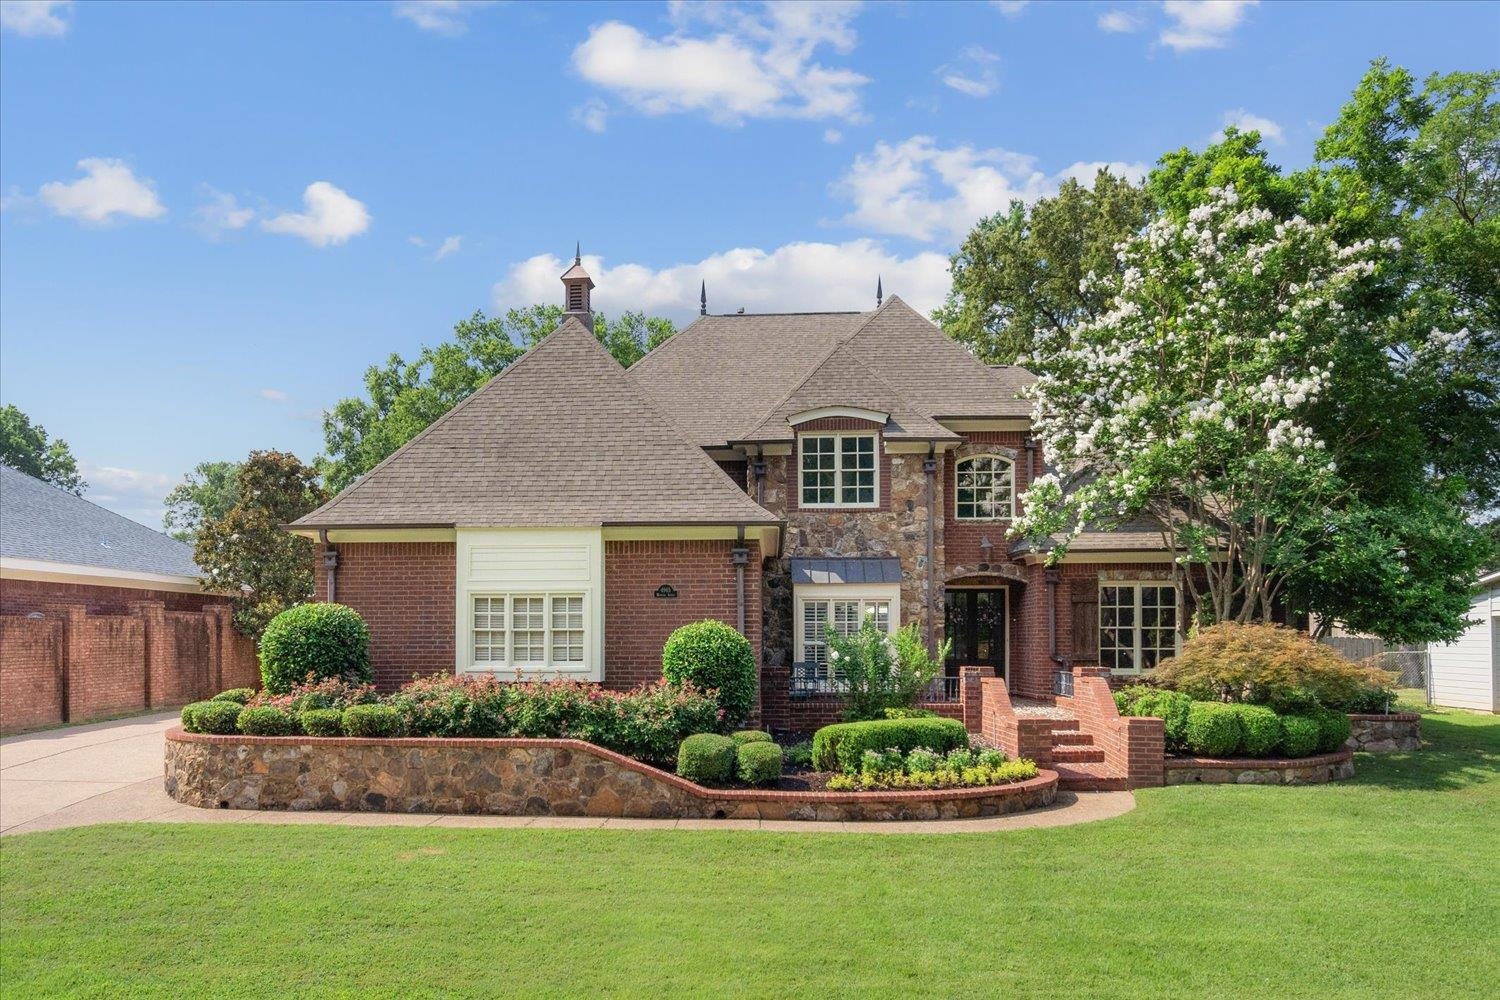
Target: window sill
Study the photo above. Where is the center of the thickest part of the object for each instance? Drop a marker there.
(528, 670)
(839, 506)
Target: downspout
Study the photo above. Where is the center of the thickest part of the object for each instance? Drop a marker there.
(331, 564)
(929, 466)
(758, 470)
(1030, 460)
(1053, 576)
(739, 557)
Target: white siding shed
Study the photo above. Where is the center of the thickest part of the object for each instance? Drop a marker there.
(1466, 672)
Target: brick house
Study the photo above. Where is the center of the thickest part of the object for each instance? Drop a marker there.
(789, 474)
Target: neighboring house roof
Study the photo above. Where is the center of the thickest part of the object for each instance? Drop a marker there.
(846, 570)
(722, 377)
(41, 523)
(561, 437)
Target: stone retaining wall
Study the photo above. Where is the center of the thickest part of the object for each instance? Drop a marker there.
(1385, 733)
(521, 777)
(1303, 771)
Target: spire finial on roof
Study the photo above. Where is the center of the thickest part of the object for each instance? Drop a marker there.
(879, 293)
(578, 252)
(703, 299)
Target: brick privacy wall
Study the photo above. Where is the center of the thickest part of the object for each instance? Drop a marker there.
(405, 593)
(637, 623)
(21, 597)
(72, 666)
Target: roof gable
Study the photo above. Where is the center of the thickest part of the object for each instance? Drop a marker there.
(561, 437)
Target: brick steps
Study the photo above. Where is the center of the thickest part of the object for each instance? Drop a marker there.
(1089, 777)
(1079, 763)
(1071, 738)
(1077, 755)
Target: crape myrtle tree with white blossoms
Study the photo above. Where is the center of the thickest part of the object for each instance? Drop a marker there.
(1188, 401)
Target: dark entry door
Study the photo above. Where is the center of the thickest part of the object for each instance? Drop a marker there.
(976, 627)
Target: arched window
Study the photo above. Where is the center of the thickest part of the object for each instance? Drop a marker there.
(986, 488)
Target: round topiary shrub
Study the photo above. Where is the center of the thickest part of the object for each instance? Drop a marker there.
(240, 695)
(190, 716)
(374, 721)
(706, 758)
(1213, 729)
(322, 722)
(217, 717)
(1333, 730)
(758, 763)
(263, 720)
(713, 657)
(1299, 736)
(324, 640)
(743, 736)
(1262, 729)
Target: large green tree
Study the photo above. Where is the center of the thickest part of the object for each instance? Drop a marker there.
(247, 554)
(206, 494)
(25, 447)
(403, 397)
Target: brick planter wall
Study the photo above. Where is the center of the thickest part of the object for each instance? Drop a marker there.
(519, 777)
(1302, 771)
(1385, 733)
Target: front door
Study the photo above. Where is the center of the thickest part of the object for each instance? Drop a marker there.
(976, 621)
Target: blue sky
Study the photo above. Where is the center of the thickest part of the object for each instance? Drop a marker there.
(215, 217)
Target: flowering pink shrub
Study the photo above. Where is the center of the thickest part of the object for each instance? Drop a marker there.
(330, 692)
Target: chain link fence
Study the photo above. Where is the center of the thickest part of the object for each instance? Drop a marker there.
(1411, 662)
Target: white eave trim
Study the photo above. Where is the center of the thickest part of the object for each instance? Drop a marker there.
(98, 576)
(823, 412)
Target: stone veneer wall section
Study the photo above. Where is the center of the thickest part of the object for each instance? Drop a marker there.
(517, 777)
(1399, 731)
(1302, 771)
(405, 593)
(637, 622)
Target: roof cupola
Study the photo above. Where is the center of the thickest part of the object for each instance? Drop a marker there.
(576, 288)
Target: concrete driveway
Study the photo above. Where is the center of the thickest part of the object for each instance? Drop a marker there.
(111, 772)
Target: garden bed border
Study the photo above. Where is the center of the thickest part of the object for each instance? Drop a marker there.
(470, 775)
(1314, 770)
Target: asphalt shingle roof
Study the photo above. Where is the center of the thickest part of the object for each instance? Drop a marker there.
(42, 522)
(561, 437)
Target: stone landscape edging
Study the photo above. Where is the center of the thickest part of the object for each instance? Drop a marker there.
(1316, 770)
(516, 776)
(1382, 732)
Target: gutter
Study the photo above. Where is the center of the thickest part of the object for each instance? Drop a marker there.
(739, 557)
(330, 563)
(929, 467)
(1053, 576)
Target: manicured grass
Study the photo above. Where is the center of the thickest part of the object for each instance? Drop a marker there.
(1387, 886)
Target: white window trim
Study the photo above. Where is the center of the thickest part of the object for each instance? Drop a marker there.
(509, 664)
(838, 469)
(886, 593)
(1136, 586)
(999, 458)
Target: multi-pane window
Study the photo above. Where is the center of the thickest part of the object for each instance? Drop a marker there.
(1137, 625)
(985, 488)
(527, 630)
(838, 470)
(843, 617)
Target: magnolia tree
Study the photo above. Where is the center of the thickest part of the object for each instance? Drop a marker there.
(1187, 401)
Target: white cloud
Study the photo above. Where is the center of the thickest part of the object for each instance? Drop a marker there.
(36, 18)
(450, 246)
(592, 114)
(973, 73)
(1121, 21)
(137, 495)
(274, 395)
(793, 277)
(1202, 24)
(331, 217)
(441, 17)
(730, 62)
(221, 213)
(1247, 122)
(416, 241)
(832, 136)
(1010, 8)
(109, 190)
(920, 190)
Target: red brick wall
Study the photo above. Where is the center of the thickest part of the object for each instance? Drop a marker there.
(405, 593)
(19, 597)
(794, 464)
(31, 659)
(637, 623)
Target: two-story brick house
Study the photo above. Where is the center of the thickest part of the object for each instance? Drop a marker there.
(787, 473)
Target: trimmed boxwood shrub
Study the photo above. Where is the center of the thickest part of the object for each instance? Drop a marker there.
(240, 695)
(1261, 728)
(372, 721)
(322, 722)
(842, 746)
(317, 641)
(217, 717)
(758, 763)
(1213, 729)
(910, 713)
(707, 758)
(713, 657)
(190, 715)
(1172, 707)
(1333, 730)
(743, 736)
(263, 720)
(1299, 736)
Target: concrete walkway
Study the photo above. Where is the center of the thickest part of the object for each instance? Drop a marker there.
(111, 772)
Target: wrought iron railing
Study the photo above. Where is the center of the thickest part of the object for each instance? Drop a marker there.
(942, 689)
(1062, 683)
(815, 678)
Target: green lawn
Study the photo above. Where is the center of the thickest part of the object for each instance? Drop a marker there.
(1388, 885)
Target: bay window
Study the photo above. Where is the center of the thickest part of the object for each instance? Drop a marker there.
(821, 614)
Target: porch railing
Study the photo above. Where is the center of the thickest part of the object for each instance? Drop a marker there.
(942, 689)
(816, 679)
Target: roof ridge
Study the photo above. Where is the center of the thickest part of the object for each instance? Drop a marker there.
(452, 410)
(973, 360)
